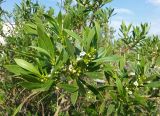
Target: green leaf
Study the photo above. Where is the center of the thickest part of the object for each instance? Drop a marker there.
(108, 59)
(17, 70)
(39, 87)
(45, 87)
(69, 88)
(95, 75)
(89, 39)
(98, 30)
(41, 50)
(92, 88)
(122, 63)
(31, 85)
(62, 59)
(140, 99)
(102, 107)
(119, 86)
(155, 84)
(27, 66)
(70, 48)
(50, 19)
(73, 34)
(53, 22)
(74, 97)
(106, 1)
(111, 109)
(30, 78)
(82, 90)
(67, 21)
(44, 41)
(30, 28)
(60, 20)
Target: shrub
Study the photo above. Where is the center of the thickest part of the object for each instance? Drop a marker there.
(74, 66)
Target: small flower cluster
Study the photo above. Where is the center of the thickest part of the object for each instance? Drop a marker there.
(44, 78)
(129, 91)
(135, 83)
(71, 68)
(87, 57)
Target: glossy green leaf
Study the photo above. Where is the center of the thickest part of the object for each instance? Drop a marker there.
(37, 86)
(111, 109)
(119, 86)
(30, 28)
(89, 39)
(102, 107)
(60, 20)
(106, 1)
(44, 40)
(53, 22)
(27, 66)
(67, 21)
(74, 97)
(82, 89)
(73, 34)
(30, 78)
(155, 84)
(41, 50)
(93, 89)
(70, 48)
(140, 99)
(98, 30)
(69, 88)
(62, 59)
(30, 85)
(17, 70)
(95, 75)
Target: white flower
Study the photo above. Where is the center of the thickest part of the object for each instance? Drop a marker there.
(82, 54)
(49, 75)
(89, 91)
(99, 81)
(52, 70)
(70, 67)
(42, 80)
(127, 88)
(154, 88)
(157, 47)
(78, 59)
(148, 81)
(132, 74)
(157, 67)
(74, 71)
(2, 40)
(57, 88)
(135, 83)
(130, 92)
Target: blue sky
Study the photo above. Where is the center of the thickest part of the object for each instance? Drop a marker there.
(131, 11)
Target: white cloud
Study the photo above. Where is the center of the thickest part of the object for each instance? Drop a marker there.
(116, 25)
(2, 41)
(154, 2)
(123, 14)
(155, 27)
(124, 11)
(7, 30)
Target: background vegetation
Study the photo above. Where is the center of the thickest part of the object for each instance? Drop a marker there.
(72, 64)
